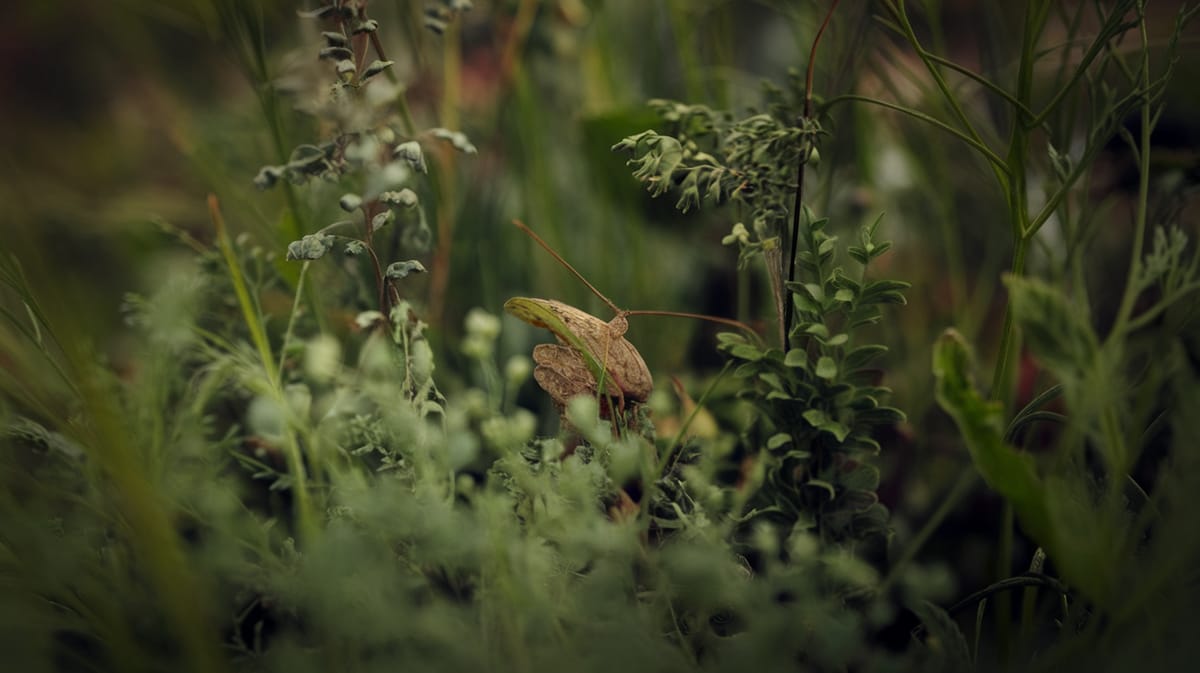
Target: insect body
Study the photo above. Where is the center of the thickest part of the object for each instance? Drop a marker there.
(589, 350)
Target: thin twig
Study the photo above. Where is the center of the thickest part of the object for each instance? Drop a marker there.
(546, 246)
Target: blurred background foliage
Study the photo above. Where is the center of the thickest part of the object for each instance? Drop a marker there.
(119, 117)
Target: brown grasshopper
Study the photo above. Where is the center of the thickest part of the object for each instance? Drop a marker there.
(591, 355)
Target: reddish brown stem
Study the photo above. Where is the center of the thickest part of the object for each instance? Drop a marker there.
(803, 158)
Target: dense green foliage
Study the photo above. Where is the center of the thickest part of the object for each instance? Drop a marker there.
(311, 444)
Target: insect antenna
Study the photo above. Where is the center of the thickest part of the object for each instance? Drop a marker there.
(546, 246)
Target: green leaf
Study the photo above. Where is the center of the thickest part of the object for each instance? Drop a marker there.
(796, 357)
(821, 421)
(382, 219)
(880, 416)
(818, 330)
(398, 270)
(336, 53)
(312, 246)
(884, 292)
(367, 26)
(268, 176)
(772, 379)
(411, 153)
(405, 198)
(335, 39)
(981, 422)
(861, 356)
(457, 140)
(864, 477)
(746, 352)
(1054, 327)
(827, 368)
(777, 440)
(945, 640)
(823, 485)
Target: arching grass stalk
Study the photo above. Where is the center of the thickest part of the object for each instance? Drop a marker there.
(305, 520)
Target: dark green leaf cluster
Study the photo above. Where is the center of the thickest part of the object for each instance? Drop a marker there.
(820, 403)
(708, 156)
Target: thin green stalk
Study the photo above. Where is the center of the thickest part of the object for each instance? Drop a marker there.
(1143, 197)
(998, 164)
(1111, 425)
(1017, 159)
(1003, 371)
(896, 7)
(306, 521)
(669, 464)
(1111, 29)
(1004, 572)
(966, 481)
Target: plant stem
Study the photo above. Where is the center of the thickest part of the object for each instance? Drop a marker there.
(966, 481)
(1003, 371)
(801, 160)
(306, 521)
(1143, 197)
(1004, 572)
